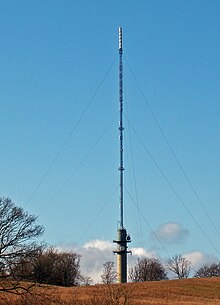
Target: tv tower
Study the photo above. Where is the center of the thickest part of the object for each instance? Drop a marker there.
(122, 237)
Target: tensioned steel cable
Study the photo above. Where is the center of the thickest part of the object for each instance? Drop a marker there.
(134, 176)
(76, 168)
(173, 153)
(148, 224)
(69, 135)
(97, 215)
(173, 189)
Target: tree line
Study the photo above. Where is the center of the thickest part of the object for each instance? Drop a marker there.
(25, 261)
(152, 269)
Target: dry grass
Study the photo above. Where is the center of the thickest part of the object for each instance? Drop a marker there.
(176, 292)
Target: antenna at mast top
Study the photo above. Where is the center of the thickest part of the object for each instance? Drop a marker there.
(120, 38)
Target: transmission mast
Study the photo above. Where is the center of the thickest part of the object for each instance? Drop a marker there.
(122, 237)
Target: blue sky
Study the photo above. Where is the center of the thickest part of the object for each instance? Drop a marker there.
(59, 119)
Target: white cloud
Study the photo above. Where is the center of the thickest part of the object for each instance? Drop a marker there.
(96, 252)
(138, 252)
(101, 245)
(170, 233)
(198, 258)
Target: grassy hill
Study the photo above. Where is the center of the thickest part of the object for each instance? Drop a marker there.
(178, 292)
(172, 292)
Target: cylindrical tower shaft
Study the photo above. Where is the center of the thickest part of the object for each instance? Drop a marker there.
(122, 251)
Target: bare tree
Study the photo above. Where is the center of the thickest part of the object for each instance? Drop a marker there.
(18, 234)
(86, 281)
(208, 270)
(147, 269)
(112, 295)
(57, 268)
(43, 267)
(180, 266)
(109, 273)
(67, 269)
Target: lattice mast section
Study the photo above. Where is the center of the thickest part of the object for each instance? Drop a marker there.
(121, 130)
(122, 237)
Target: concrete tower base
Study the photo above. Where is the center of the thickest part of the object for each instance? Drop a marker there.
(121, 251)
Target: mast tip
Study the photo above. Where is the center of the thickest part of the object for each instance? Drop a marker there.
(120, 38)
